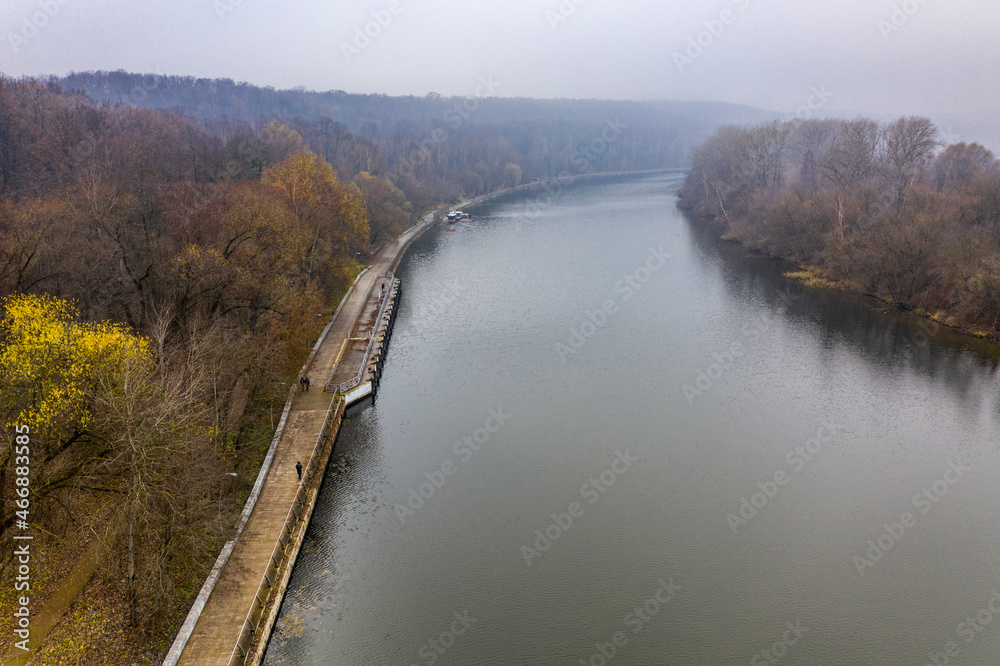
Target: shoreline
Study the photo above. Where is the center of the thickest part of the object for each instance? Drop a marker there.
(814, 277)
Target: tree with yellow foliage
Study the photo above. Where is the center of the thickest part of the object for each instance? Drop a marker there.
(51, 370)
(106, 423)
(51, 367)
(51, 363)
(333, 212)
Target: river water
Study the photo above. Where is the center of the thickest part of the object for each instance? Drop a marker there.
(604, 437)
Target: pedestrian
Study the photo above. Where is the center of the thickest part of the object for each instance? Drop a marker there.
(298, 468)
(302, 383)
(306, 380)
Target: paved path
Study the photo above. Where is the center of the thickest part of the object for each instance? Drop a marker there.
(221, 622)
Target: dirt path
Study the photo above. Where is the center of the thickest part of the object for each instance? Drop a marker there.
(48, 617)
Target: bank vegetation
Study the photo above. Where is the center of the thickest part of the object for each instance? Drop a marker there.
(883, 208)
(160, 285)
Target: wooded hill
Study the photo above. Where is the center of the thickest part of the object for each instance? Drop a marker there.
(436, 148)
(159, 289)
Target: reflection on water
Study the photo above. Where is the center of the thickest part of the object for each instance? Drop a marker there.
(580, 454)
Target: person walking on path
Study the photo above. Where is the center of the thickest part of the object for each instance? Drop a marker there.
(307, 384)
(298, 468)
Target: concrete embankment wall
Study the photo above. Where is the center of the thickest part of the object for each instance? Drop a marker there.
(194, 614)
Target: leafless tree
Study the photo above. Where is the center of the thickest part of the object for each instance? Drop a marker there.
(905, 147)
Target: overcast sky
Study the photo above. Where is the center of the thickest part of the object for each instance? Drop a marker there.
(870, 56)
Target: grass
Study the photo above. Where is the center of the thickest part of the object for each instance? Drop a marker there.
(811, 279)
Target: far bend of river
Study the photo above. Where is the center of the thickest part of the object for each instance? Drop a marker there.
(825, 491)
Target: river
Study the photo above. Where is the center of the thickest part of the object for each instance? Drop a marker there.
(605, 437)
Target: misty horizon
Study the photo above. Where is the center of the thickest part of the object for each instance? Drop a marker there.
(881, 58)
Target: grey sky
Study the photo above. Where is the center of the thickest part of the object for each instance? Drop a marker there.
(943, 59)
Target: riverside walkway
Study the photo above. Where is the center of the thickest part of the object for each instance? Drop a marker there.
(356, 372)
(220, 625)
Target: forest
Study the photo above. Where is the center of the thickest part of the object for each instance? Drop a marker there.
(879, 207)
(160, 287)
(435, 148)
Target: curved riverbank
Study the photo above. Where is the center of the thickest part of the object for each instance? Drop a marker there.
(814, 277)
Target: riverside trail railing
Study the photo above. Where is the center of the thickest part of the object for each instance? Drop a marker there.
(345, 387)
(279, 554)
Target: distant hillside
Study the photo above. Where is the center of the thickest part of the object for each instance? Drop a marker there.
(679, 125)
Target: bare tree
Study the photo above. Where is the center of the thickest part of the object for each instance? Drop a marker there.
(850, 162)
(809, 143)
(906, 145)
(152, 428)
(851, 159)
(766, 153)
(959, 164)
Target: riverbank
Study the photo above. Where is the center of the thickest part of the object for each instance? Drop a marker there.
(910, 230)
(820, 277)
(814, 278)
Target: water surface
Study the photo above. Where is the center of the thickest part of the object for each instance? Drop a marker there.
(633, 423)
